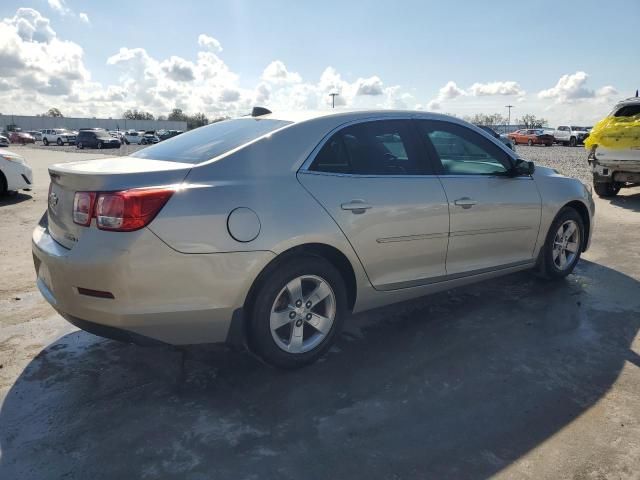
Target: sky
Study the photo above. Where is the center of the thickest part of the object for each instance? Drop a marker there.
(568, 62)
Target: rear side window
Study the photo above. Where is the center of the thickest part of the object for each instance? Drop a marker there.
(372, 148)
(208, 142)
(628, 111)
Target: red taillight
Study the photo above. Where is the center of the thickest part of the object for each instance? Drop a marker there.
(131, 209)
(83, 208)
(120, 211)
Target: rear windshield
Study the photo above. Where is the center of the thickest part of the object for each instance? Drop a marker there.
(210, 141)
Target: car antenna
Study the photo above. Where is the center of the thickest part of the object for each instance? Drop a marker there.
(259, 111)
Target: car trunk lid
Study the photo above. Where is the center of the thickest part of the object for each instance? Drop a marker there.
(105, 175)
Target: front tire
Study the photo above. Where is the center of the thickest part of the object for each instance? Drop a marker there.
(60, 142)
(298, 311)
(563, 246)
(573, 142)
(606, 190)
(79, 146)
(530, 143)
(100, 145)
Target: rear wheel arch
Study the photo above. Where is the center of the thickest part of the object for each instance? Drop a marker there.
(4, 185)
(322, 250)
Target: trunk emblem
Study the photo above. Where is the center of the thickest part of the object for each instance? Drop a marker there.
(53, 201)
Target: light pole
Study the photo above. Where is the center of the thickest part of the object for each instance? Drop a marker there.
(333, 99)
(509, 120)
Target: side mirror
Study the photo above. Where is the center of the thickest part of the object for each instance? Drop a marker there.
(523, 167)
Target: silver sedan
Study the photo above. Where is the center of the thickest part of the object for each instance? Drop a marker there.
(268, 230)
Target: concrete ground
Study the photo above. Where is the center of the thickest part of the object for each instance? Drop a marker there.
(511, 378)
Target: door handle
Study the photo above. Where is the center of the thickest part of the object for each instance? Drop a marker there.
(356, 206)
(465, 202)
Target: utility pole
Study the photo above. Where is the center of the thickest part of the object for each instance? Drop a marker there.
(509, 120)
(333, 99)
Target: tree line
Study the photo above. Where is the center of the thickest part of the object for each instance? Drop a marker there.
(496, 119)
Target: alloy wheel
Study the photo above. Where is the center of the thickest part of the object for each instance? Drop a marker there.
(302, 314)
(566, 244)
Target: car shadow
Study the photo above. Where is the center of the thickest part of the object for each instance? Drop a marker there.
(455, 385)
(15, 198)
(628, 201)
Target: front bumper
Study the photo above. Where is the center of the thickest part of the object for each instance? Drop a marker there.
(158, 294)
(19, 177)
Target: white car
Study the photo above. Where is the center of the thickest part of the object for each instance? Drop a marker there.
(134, 137)
(4, 141)
(58, 136)
(15, 174)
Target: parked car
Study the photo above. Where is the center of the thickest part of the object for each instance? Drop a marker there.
(59, 136)
(531, 136)
(503, 138)
(36, 134)
(166, 134)
(132, 136)
(97, 138)
(4, 141)
(15, 173)
(615, 150)
(571, 135)
(267, 230)
(149, 139)
(21, 138)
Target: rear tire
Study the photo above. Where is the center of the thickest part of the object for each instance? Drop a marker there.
(530, 143)
(573, 142)
(276, 301)
(79, 146)
(559, 246)
(46, 142)
(606, 190)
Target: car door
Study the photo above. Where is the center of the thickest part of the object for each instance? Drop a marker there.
(372, 178)
(494, 216)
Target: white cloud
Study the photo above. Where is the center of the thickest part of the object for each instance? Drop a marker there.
(178, 69)
(32, 57)
(58, 6)
(569, 88)
(495, 88)
(369, 86)
(209, 43)
(448, 92)
(84, 17)
(276, 72)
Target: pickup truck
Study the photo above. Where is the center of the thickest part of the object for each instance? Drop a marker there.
(614, 146)
(59, 136)
(570, 135)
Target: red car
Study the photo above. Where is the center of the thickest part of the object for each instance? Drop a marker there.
(21, 137)
(531, 136)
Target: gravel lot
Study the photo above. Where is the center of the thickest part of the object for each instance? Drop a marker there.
(513, 378)
(570, 161)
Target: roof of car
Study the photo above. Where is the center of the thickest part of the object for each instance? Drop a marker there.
(628, 101)
(349, 114)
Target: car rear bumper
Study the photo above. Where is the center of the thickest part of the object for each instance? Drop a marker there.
(155, 294)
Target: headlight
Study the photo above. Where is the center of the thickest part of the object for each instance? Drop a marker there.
(12, 158)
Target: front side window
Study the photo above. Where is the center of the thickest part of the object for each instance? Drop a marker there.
(212, 140)
(462, 151)
(370, 148)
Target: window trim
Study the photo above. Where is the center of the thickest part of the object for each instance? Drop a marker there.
(437, 162)
(423, 157)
